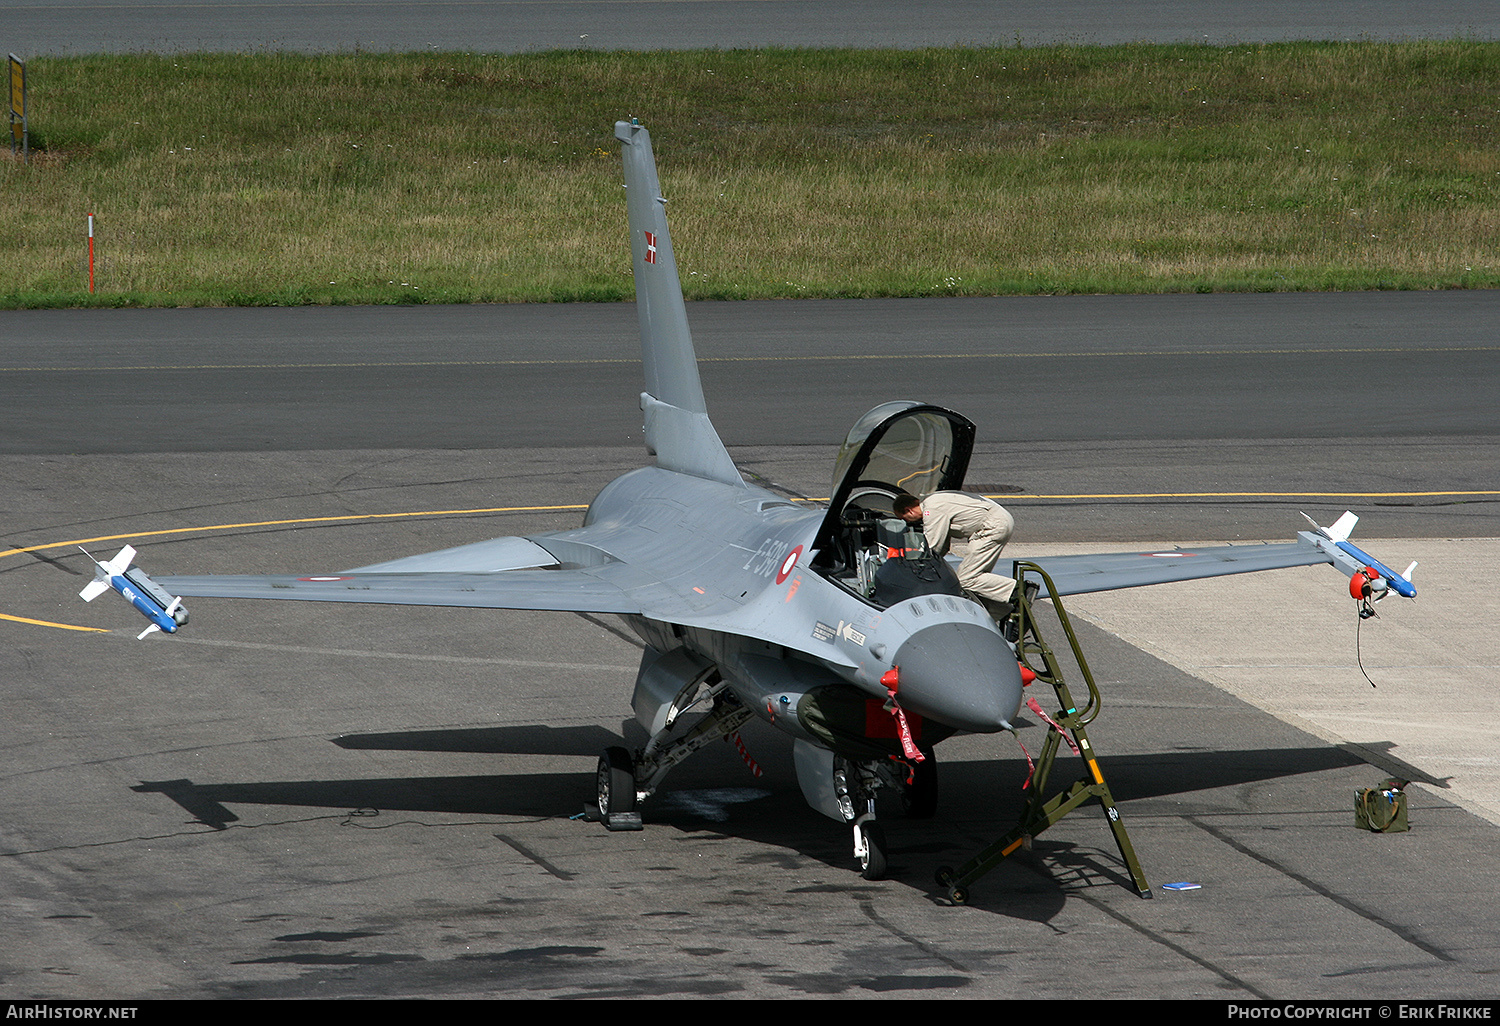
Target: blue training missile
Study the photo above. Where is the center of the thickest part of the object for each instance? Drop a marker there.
(1336, 536)
(165, 612)
(1400, 583)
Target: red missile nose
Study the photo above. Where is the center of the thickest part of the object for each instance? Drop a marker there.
(1365, 583)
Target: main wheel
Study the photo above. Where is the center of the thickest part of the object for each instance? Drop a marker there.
(872, 863)
(616, 782)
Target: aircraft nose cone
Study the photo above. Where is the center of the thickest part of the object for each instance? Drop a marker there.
(960, 674)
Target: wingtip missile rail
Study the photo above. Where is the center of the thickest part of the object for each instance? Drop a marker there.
(1369, 579)
(165, 612)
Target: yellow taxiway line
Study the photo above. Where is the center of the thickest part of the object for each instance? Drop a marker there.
(49, 623)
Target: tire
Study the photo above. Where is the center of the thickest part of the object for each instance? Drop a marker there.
(616, 782)
(872, 865)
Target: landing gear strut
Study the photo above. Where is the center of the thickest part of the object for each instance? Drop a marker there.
(624, 780)
(855, 784)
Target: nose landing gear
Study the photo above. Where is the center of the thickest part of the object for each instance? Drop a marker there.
(870, 848)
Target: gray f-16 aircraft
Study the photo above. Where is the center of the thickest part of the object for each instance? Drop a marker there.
(837, 625)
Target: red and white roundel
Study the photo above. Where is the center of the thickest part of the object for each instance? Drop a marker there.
(325, 578)
(788, 564)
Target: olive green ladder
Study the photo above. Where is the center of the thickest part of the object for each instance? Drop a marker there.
(1041, 813)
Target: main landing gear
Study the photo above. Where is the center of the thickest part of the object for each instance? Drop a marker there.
(617, 797)
(625, 780)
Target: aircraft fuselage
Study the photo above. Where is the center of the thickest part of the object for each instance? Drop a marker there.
(733, 564)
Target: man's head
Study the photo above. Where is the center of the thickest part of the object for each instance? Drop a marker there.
(908, 508)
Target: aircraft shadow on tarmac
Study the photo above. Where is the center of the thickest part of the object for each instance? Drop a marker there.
(716, 793)
(535, 739)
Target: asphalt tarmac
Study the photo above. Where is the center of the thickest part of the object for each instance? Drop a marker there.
(511, 26)
(365, 802)
(289, 800)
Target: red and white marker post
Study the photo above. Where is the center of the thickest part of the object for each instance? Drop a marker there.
(91, 253)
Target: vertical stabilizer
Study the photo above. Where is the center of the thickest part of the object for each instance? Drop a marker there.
(678, 430)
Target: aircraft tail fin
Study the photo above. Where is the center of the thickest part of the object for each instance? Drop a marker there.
(678, 430)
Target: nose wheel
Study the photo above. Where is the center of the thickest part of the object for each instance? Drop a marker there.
(870, 849)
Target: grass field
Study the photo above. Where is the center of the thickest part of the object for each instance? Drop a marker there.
(289, 179)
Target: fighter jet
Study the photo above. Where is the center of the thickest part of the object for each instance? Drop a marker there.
(835, 624)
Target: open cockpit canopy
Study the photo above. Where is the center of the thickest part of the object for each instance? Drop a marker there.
(902, 446)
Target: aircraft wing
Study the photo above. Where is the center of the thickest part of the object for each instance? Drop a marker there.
(584, 590)
(502, 573)
(1079, 575)
(484, 557)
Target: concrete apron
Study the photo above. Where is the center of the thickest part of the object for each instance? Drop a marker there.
(1284, 641)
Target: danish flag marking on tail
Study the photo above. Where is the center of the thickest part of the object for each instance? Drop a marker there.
(650, 247)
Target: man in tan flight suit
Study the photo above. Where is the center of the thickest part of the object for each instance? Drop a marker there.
(986, 526)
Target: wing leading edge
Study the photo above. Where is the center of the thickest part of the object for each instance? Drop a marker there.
(501, 573)
(1080, 575)
(579, 591)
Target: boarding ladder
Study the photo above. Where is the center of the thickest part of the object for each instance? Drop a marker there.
(1040, 812)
